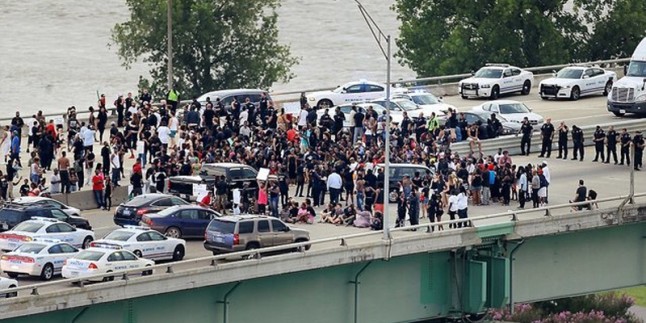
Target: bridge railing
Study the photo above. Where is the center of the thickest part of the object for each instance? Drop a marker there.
(256, 254)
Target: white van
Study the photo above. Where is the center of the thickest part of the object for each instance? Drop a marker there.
(628, 95)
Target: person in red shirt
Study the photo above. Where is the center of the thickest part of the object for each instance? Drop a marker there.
(292, 135)
(207, 200)
(136, 168)
(97, 188)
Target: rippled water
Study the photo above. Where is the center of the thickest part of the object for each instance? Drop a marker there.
(55, 53)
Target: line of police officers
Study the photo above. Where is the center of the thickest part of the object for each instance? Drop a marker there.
(601, 140)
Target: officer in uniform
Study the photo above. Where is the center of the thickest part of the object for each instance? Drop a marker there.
(526, 140)
(577, 139)
(638, 143)
(563, 132)
(611, 145)
(625, 140)
(547, 134)
(599, 137)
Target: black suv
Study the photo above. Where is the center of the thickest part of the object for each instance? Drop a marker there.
(237, 176)
(12, 214)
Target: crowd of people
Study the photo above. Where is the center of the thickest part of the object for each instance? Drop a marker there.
(318, 156)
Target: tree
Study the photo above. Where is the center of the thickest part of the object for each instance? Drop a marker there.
(217, 44)
(440, 37)
(617, 33)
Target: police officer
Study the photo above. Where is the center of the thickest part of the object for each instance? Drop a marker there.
(547, 134)
(563, 132)
(625, 146)
(611, 145)
(577, 139)
(599, 137)
(526, 140)
(638, 143)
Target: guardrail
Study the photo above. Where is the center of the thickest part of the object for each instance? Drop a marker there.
(256, 254)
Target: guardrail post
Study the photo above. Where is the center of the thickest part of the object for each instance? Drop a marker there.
(548, 212)
(34, 291)
(169, 269)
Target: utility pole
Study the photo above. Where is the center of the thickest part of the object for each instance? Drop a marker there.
(378, 36)
(169, 43)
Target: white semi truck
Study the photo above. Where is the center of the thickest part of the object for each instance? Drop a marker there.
(628, 95)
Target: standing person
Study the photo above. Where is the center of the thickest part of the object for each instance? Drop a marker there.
(611, 145)
(581, 194)
(526, 140)
(88, 165)
(413, 207)
(107, 195)
(105, 158)
(15, 145)
(274, 197)
(358, 124)
(334, 185)
(136, 180)
(221, 194)
(5, 145)
(102, 120)
(55, 181)
(625, 140)
(548, 178)
(97, 188)
(17, 123)
(638, 143)
(577, 140)
(262, 199)
(64, 168)
(536, 185)
(463, 203)
(523, 186)
(361, 191)
(599, 138)
(453, 207)
(115, 167)
(88, 138)
(563, 132)
(120, 104)
(547, 136)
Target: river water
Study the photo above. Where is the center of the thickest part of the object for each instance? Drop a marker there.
(55, 53)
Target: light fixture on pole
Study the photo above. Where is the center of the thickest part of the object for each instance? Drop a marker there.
(379, 36)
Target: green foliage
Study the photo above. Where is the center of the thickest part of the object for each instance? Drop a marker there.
(217, 44)
(446, 36)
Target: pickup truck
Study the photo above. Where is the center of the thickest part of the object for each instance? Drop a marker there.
(237, 175)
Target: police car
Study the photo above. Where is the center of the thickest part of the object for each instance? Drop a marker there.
(495, 79)
(144, 243)
(42, 257)
(7, 283)
(427, 102)
(94, 261)
(47, 228)
(358, 91)
(573, 82)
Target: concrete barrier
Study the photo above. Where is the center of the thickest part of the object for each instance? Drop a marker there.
(84, 200)
(511, 143)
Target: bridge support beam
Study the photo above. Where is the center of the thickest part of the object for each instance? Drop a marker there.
(356, 290)
(225, 302)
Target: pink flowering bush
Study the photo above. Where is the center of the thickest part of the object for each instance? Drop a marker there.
(603, 308)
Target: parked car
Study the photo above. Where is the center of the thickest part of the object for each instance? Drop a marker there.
(13, 214)
(244, 232)
(94, 261)
(471, 117)
(356, 91)
(238, 176)
(398, 106)
(188, 221)
(227, 96)
(144, 243)
(44, 228)
(130, 213)
(427, 102)
(8, 283)
(42, 258)
(46, 202)
(573, 82)
(510, 111)
(346, 109)
(492, 80)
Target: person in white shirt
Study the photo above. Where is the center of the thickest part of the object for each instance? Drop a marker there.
(546, 173)
(163, 132)
(523, 186)
(88, 138)
(302, 119)
(173, 125)
(453, 206)
(244, 116)
(334, 185)
(115, 164)
(462, 203)
(55, 181)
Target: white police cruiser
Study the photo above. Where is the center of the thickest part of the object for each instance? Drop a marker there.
(93, 261)
(47, 228)
(575, 81)
(495, 79)
(357, 91)
(43, 258)
(144, 243)
(8, 284)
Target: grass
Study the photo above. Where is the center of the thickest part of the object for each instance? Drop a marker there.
(638, 293)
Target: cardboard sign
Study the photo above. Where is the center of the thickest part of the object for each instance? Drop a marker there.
(263, 174)
(200, 191)
(292, 108)
(236, 196)
(59, 121)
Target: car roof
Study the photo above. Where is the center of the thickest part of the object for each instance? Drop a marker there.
(30, 199)
(502, 102)
(236, 218)
(133, 228)
(43, 220)
(226, 165)
(220, 93)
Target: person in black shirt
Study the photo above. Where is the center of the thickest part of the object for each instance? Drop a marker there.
(339, 118)
(625, 146)
(581, 193)
(251, 110)
(638, 143)
(547, 135)
(563, 132)
(599, 137)
(358, 125)
(577, 140)
(208, 115)
(18, 123)
(496, 125)
(526, 141)
(611, 145)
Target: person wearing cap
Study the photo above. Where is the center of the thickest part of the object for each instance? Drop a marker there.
(611, 145)
(638, 143)
(599, 138)
(547, 136)
(577, 139)
(526, 140)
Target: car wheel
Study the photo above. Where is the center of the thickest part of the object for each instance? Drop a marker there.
(173, 232)
(302, 248)
(324, 104)
(108, 278)
(147, 272)
(251, 246)
(86, 242)
(13, 294)
(495, 92)
(607, 89)
(575, 94)
(619, 114)
(47, 273)
(138, 253)
(527, 87)
(178, 254)
(11, 275)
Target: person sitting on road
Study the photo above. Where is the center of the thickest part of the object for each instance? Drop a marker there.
(328, 212)
(337, 216)
(377, 222)
(362, 219)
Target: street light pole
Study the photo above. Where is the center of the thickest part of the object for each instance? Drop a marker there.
(378, 36)
(169, 43)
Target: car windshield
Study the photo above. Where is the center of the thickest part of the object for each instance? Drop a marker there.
(28, 227)
(489, 73)
(569, 73)
(10, 216)
(140, 200)
(90, 255)
(425, 99)
(168, 211)
(119, 235)
(32, 248)
(637, 68)
(221, 226)
(510, 108)
(407, 105)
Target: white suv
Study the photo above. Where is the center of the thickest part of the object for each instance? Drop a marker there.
(352, 92)
(495, 79)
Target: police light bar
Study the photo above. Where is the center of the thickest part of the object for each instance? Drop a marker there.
(136, 227)
(105, 245)
(40, 218)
